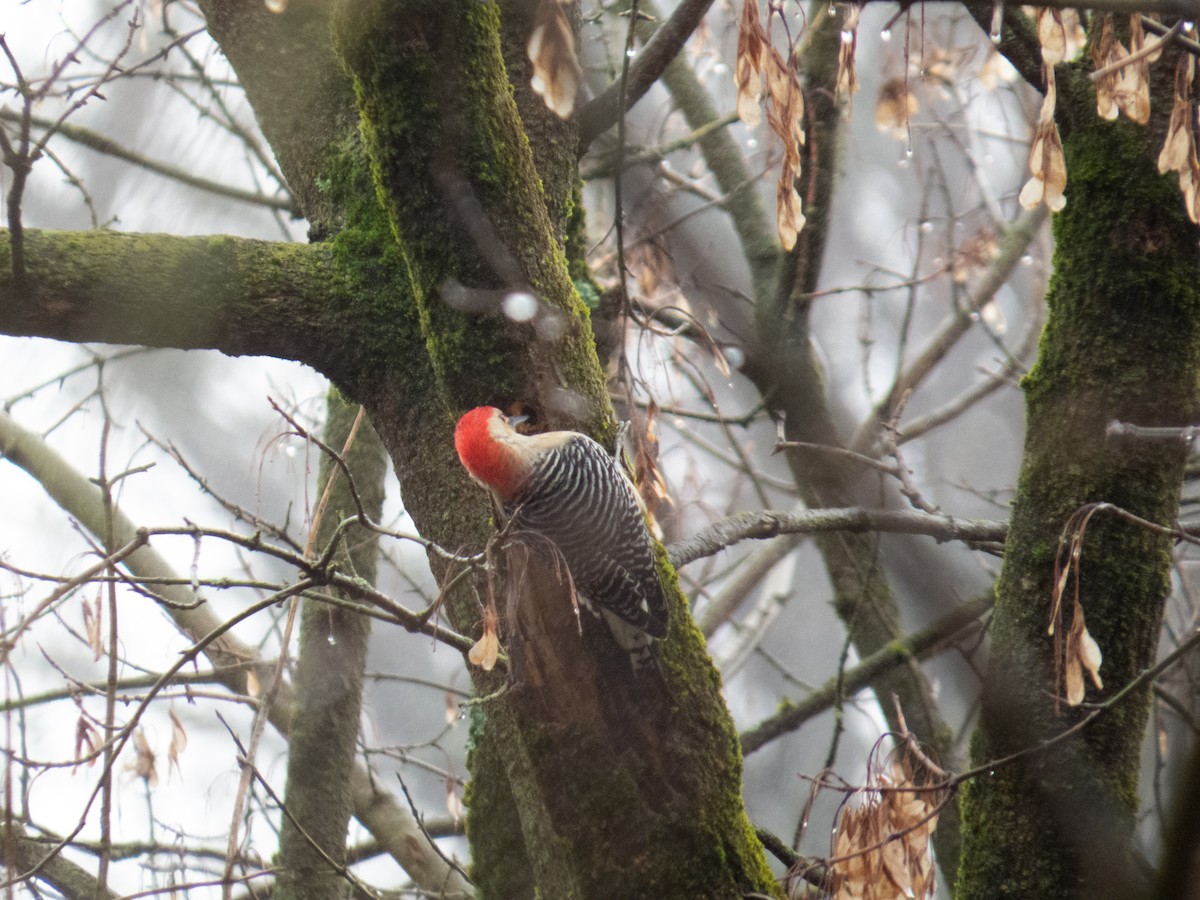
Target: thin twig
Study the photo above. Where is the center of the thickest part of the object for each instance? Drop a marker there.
(1148, 49)
(452, 863)
(917, 646)
(119, 740)
(840, 452)
(246, 761)
(100, 143)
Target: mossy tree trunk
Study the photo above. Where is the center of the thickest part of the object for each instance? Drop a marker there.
(459, 185)
(1122, 343)
(451, 200)
(426, 178)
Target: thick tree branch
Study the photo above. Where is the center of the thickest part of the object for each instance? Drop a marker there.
(1118, 343)
(239, 296)
(600, 114)
(291, 56)
(328, 681)
(921, 645)
(449, 163)
(24, 853)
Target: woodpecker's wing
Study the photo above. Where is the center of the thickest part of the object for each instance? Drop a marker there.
(579, 499)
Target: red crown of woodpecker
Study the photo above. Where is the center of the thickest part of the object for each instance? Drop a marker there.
(489, 460)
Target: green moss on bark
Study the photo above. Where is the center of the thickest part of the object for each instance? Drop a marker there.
(454, 180)
(499, 865)
(669, 798)
(1122, 342)
(377, 280)
(455, 176)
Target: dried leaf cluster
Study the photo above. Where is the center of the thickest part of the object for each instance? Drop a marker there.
(143, 762)
(454, 803)
(1075, 651)
(1061, 37)
(1060, 34)
(179, 742)
(1123, 76)
(93, 622)
(87, 739)
(551, 49)
(1047, 164)
(974, 254)
(759, 62)
(1179, 149)
(898, 101)
(1107, 54)
(647, 476)
(655, 271)
(895, 107)
(882, 850)
(1122, 82)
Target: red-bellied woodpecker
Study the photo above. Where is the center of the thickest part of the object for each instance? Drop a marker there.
(565, 487)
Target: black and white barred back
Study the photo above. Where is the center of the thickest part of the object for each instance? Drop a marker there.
(580, 499)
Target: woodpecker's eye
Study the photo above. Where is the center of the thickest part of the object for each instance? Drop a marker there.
(522, 417)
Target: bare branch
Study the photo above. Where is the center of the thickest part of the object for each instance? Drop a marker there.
(601, 114)
(93, 140)
(770, 523)
(1012, 248)
(377, 810)
(920, 646)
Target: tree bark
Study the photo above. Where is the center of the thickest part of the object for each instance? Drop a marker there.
(460, 190)
(239, 296)
(1122, 342)
(323, 739)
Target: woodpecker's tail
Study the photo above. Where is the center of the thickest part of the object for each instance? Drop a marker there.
(640, 646)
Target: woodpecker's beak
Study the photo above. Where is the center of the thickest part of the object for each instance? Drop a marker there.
(514, 421)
